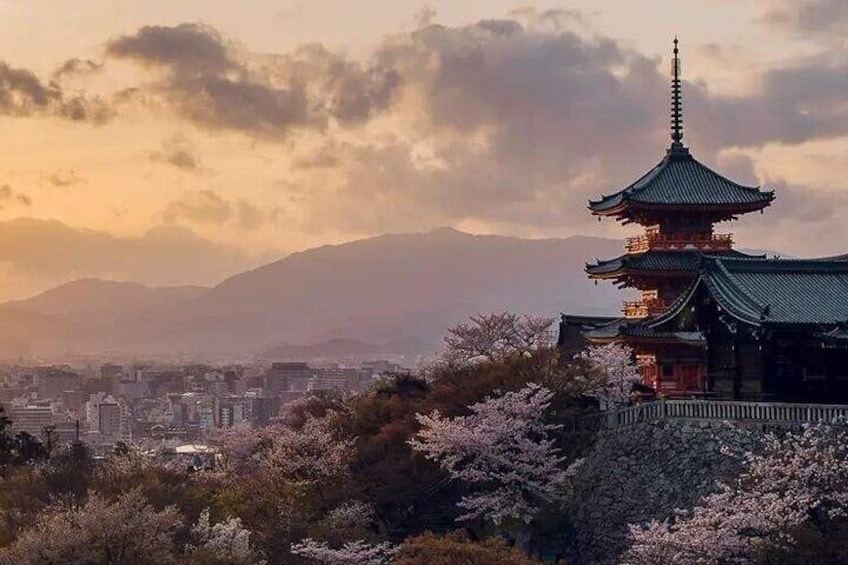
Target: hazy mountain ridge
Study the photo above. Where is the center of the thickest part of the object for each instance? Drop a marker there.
(90, 295)
(391, 288)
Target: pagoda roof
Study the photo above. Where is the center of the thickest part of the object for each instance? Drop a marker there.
(681, 181)
(773, 291)
(756, 291)
(624, 329)
(656, 262)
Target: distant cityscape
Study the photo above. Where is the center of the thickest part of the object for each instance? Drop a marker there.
(164, 406)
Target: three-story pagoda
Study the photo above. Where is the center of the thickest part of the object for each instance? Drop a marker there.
(678, 203)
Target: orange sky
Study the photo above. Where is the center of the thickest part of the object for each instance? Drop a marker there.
(179, 142)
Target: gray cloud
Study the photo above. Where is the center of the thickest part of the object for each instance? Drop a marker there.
(542, 79)
(811, 17)
(64, 179)
(548, 107)
(23, 94)
(802, 101)
(209, 207)
(804, 204)
(195, 48)
(12, 197)
(510, 123)
(177, 151)
(212, 84)
(75, 68)
(562, 118)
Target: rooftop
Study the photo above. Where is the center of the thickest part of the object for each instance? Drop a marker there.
(799, 291)
(757, 291)
(640, 330)
(681, 181)
(655, 262)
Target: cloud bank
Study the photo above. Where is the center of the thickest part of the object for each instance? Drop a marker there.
(505, 125)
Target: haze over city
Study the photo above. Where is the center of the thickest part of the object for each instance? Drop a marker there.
(180, 143)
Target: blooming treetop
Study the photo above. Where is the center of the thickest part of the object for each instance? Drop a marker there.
(795, 480)
(494, 337)
(308, 455)
(350, 515)
(127, 530)
(502, 447)
(351, 553)
(226, 540)
(615, 363)
(239, 446)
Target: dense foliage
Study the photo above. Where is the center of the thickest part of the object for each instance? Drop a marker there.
(469, 462)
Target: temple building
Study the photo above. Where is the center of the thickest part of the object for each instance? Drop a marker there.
(711, 320)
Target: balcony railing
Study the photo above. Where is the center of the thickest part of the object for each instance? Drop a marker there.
(644, 308)
(766, 414)
(679, 242)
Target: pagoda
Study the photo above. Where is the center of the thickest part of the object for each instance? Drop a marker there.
(678, 204)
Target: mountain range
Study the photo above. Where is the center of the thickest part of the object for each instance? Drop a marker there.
(390, 292)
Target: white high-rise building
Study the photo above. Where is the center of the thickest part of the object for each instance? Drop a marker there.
(108, 418)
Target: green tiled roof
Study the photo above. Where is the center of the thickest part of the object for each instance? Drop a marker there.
(680, 180)
(759, 292)
(639, 329)
(654, 261)
(799, 291)
(607, 331)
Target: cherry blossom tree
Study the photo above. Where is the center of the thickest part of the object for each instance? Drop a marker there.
(503, 448)
(351, 553)
(127, 530)
(239, 447)
(309, 455)
(617, 370)
(350, 515)
(228, 540)
(796, 480)
(495, 337)
(305, 455)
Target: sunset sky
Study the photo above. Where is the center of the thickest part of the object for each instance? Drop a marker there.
(179, 142)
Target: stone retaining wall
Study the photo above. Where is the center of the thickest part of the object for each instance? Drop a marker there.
(645, 471)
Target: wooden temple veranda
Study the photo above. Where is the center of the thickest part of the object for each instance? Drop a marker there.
(713, 322)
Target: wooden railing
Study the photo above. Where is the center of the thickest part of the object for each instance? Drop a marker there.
(679, 242)
(765, 413)
(644, 308)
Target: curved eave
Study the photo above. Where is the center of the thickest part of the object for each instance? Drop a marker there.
(680, 182)
(731, 299)
(629, 205)
(677, 306)
(628, 272)
(674, 264)
(645, 340)
(639, 332)
(604, 340)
